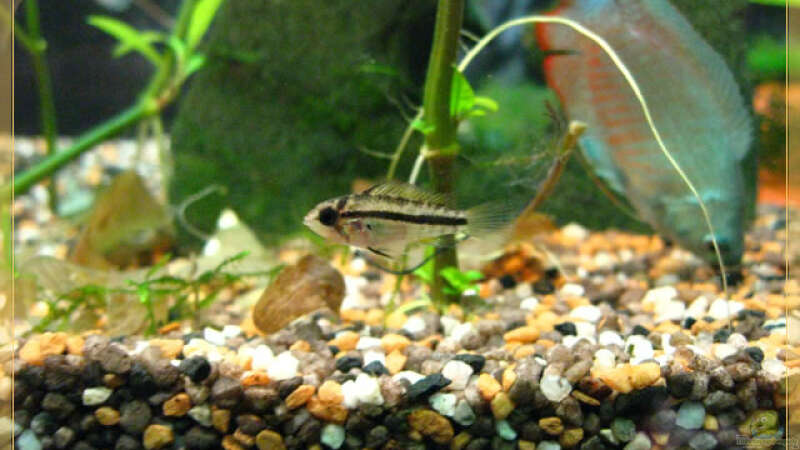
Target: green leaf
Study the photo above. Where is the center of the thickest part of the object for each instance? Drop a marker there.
(486, 103)
(462, 97)
(422, 126)
(196, 62)
(461, 281)
(127, 36)
(150, 37)
(202, 16)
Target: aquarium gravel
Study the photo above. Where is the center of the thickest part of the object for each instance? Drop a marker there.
(630, 349)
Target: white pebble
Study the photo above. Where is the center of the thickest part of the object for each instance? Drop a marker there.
(773, 368)
(572, 290)
(589, 313)
(586, 330)
(349, 394)
(449, 324)
(609, 337)
(660, 294)
(201, 414)
(458, 372)
(369, 391)
(95, 395)
(283, 367)
(640, 348)
(414, 324)
(575, 231)
(409, 375)
(603, 260)
(462, 330)
(737, 340)
(374, 355)
(529, 303)
(671, 310)
(262, 357)
(366, 342)
(230, 331)
(523, 290)
(555, 388)
(697, 309)
(604, 359)
(721, 309)
(722, 351)
(358, 265)
(213, 336)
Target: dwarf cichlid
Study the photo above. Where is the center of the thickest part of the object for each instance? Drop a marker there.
(695, 104)
(389, 218)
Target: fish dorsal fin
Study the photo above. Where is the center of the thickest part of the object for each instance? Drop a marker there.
(405, 191)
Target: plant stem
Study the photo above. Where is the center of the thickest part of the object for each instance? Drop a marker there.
(47, 108)
(441, 145)
(110, 128)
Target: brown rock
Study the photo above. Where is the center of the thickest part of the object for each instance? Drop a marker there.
(488, 386)
(75, 345)
(335, 413)
(107, 416)
(309, 285)
(395, 361)
(300, 396)
(221, 419)
(157, 436)
(551, 425)
(331, 393)
(392, 342)
(230, 443)
(269, 440)
(243, 438)
(346, 340)
(524, 335)
(170, 348)
(178, 405)
(431, 424)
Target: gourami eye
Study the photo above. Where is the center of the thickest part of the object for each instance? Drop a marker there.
(328, 216)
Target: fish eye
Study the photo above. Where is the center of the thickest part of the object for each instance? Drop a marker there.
(328, 216)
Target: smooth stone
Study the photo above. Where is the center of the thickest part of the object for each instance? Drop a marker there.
(332, 435)
(27, 441)
(691, 415)
(458, 372)
(703, 441)
(201, 414)
(463, 414)
(504, 430)
(95, 395)
(624, 429)
(444, 404)
(427, 386)
(548, 445)
(555, 388)
(283, 367)
(640, 442)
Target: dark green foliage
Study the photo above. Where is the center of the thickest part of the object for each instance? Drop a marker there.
(293, 90)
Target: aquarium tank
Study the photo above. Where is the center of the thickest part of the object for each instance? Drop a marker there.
(405, 224)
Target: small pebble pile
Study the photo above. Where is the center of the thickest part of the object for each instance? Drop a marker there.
(633, 352)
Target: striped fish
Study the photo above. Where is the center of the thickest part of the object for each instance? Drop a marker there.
(695, 104)
(388, 219)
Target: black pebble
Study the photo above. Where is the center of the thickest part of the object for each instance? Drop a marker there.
(334, 349)
(709, 319)
(507, 281)
(544, 287)
(286, 387)
(127, 442)
(140, 381)
(475, 361)
(551, 273)
(427, 386)
(722, 335)
(756, 353)
(688, 322)
(640, 330)
(376, 368)
(567, 329)
(43, 424)
(83, 445)
(345, 363)
(200, 438)
(377, 437)
(196, 368)
(482, 427)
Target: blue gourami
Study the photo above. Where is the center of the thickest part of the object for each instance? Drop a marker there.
(695, 104)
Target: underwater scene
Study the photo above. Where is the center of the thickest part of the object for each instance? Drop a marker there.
(400, 224)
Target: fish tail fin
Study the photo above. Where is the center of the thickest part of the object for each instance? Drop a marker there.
(490, 218)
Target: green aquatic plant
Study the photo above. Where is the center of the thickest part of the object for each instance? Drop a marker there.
(183, 297)
(174, 55)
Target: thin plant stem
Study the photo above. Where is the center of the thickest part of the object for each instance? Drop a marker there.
(440, 144)
(47, 108)
(398, 152)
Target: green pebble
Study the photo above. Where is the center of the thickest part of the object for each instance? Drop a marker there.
(504, 430)
(639, 442)
(608, 435)
(624, 429)
(460, 441)
(548, 445)
(332, 435)
(691, 415)
(463, 415)
(444, 404)
(571, 437)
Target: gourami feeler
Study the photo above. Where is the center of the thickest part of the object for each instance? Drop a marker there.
(695, 104)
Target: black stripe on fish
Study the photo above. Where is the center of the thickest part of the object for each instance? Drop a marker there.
(342, 201)
(421, 219)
